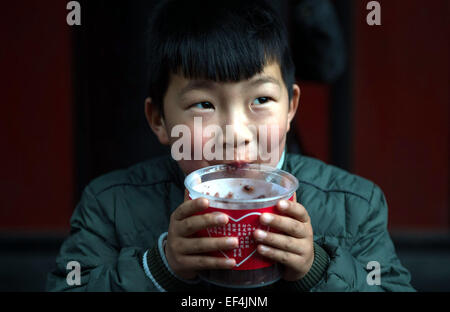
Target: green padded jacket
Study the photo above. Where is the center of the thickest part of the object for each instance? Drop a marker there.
(119, 223)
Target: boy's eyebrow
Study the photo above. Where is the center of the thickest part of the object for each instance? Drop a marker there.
(209, 84)
(197, 84)
(264, 79)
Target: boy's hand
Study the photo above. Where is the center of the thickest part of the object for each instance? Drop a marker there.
(183, 252)
(293, 247)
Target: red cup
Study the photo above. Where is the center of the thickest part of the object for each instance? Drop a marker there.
(243, 194)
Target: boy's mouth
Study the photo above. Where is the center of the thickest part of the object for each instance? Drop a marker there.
(238, 163)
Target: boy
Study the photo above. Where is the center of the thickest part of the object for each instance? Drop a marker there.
(228, 64)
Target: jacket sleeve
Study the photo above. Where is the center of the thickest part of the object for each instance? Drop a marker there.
(104, 264)
(355, 267)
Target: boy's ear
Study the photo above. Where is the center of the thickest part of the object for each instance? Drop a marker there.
(293, 105)
(156, 121)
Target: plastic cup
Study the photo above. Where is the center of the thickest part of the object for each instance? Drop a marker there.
(243, 194)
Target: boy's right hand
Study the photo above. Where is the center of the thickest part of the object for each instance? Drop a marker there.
(184, 252)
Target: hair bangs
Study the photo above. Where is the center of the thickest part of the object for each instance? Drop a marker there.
(222, 41)
(221, 55)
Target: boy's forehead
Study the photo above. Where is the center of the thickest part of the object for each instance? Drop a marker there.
(271, 73)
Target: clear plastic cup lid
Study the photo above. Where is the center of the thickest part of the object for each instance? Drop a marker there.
(250, 186)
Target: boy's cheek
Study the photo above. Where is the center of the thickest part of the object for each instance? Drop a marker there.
(275, 142)
(188, 166)
(277, 134)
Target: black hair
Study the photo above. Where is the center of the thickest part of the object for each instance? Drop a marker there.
(222, 41)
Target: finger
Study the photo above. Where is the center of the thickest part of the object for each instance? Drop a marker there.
(295, 197)
(280, 256)
(293, 209)
(207, 244)
(279, 241)
(198, 263)
(191, 225)
(186, 195)
(190, 207)
(284, 224)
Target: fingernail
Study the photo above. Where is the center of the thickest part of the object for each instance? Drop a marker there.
(221, 218)
(230, 262)
(266, 217)
(232, 241)
(203, 202)
(260, 234)
(283, 204)
(263, 249)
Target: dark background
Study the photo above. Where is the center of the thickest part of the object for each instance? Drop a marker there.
(73, 108)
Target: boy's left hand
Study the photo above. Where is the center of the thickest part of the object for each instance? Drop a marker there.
(293, 246)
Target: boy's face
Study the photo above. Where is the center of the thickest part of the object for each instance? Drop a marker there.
(238, 108)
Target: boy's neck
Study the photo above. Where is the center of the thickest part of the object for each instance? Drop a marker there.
(280, 163)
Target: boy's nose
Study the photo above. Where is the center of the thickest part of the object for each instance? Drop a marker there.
(237, 134)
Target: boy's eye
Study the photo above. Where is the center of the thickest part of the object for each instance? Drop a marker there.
(203, 105)
(261, 100)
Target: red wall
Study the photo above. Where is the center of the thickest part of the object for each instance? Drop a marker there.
(36, 187)
(401, 118)
(312, 120)
(401, 113)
